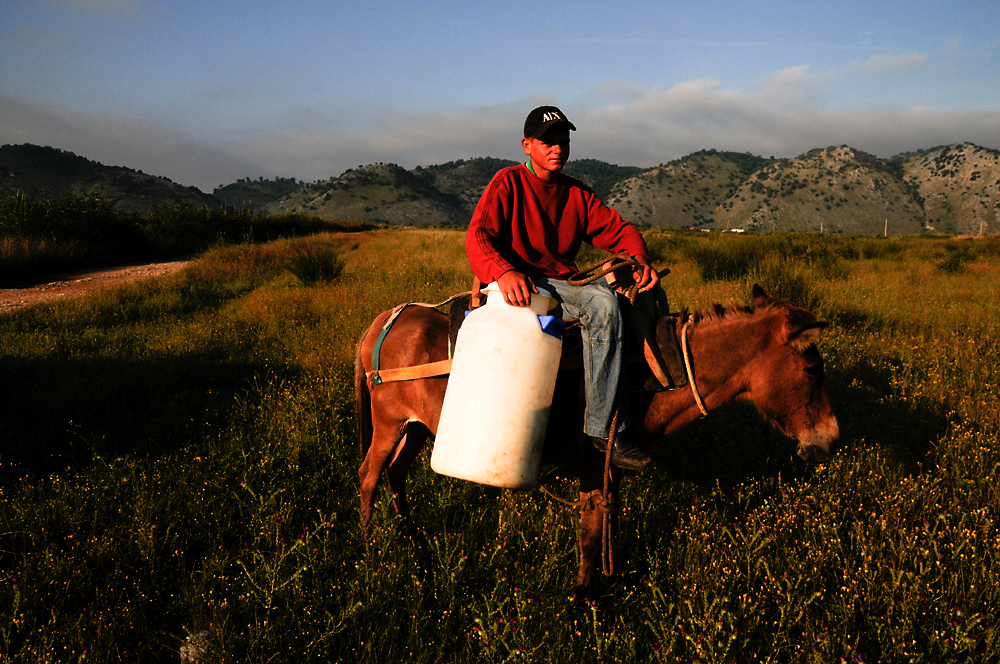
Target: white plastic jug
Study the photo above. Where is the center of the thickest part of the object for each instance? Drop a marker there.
(496, 407)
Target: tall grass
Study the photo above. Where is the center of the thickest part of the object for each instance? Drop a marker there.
(42, 236)
(313, 265)
(180, 458)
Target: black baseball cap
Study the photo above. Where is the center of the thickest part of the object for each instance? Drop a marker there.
(542, 119)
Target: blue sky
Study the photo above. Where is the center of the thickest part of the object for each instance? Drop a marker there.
(207, 92)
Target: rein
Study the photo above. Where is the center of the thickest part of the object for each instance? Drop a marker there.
(605, 499)
(687, 366)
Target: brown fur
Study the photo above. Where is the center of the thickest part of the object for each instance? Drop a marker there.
(765, 355)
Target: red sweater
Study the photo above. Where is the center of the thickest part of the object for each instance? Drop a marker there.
(536, 227)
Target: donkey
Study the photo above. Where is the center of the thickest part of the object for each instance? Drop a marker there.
(765, 354)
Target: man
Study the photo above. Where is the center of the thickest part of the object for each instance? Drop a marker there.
(525, 234)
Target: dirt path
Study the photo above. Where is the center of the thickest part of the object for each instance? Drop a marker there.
(68, 285)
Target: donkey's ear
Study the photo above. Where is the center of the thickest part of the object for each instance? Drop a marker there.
(803, 336)
(759, 296)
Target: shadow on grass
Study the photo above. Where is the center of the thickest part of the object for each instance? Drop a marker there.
(71, 272)
(56, 413)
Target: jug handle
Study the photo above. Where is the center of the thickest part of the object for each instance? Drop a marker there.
(476, 300)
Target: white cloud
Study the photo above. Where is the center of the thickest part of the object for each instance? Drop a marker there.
(615, 90)
(890, 63)
(700, 114)
(793, 85)
(785, 115)
(309, 144)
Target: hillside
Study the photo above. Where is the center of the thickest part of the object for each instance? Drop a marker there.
(953, 189)
(949, 189)
(600, 175)
(959, 185)
(463, 180)
(442, 194)
(684, 192)
(45, 172)
(255, 194)
(830, 190)
(380, 193)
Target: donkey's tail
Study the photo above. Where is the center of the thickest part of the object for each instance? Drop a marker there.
(362, 402)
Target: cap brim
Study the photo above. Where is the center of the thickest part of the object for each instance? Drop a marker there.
(549, 125)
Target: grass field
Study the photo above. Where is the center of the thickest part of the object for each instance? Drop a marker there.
(178, 470)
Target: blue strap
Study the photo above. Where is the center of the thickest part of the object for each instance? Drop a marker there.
(375, 378)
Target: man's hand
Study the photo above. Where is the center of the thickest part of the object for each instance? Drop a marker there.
(516, 288)
(647, 278)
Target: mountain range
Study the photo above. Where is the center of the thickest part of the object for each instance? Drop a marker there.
(951, 189)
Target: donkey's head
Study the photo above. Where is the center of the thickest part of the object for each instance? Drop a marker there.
(788, 384)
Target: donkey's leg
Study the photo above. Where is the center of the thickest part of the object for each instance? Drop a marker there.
(385, 439)
(593, 515)
(413, 442)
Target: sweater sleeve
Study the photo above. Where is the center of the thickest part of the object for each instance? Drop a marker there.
(487, 233)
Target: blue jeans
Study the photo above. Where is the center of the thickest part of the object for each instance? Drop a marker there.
(596, 305)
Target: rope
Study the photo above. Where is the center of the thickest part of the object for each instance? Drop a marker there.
(568, 503)
(687, 366)
(606, 500)
(604, 267)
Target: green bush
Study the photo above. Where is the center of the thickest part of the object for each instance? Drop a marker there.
(782, 279)
(312, 265)
(725, 263)
(88, 218)
(956, 258)
(867, 247)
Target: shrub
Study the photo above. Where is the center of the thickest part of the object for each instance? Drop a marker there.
(783, 279)
(312, 265)
(858, 248)
(724, 263)
(956, 259)
(87, 218)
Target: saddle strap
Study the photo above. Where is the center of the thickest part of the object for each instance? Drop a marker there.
(377, 376)
(439, 368)
(643, 313)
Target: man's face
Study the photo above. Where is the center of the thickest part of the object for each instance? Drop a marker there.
(550, 152)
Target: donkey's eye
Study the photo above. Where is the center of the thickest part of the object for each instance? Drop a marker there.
(814, 369)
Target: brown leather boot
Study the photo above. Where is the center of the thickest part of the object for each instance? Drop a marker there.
(625, 454)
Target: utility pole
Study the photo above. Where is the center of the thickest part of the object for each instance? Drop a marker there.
(887, 227)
